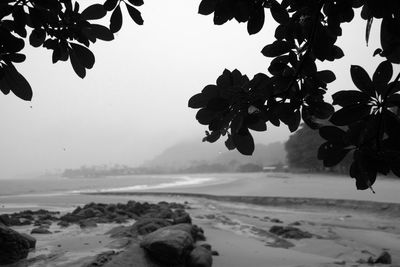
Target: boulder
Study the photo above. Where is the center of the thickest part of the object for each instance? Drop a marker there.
(147, 225)
(31, 240)
(183, 218)
(169, 246)
(200, 257)
(40, 230)
(384, 258)
(71, 218)
(13, 246)
(289, 232)
(89, 213)
(5, 219)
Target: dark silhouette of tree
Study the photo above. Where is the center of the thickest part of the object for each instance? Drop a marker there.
(293, 90)
(301, 148)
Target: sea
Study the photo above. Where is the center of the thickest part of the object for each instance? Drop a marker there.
(60, 192)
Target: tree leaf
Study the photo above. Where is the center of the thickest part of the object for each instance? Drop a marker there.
(135, 15)
(331, 154)
(332, 134)
(198, 101)
(277, 48)
(13, 81)
(93, 12)
(259, 125)
(205, 116)
(37, 37)
(116, 20)
(279, 13)
(256, 20)
(212, 137)
(350, 114)
(322, 110)
(76, 64)
(326, 76)
(99, 32)
(110, 4)
(350, 97)
(383, 73)
(136, 2)
(230, 145)
(207, 7)
(361, 79)
(244, 142)
(390, 38)
(84, 55)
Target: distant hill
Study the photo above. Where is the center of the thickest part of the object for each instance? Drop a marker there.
(191, 153)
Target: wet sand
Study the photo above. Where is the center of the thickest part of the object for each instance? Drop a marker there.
(344, 231)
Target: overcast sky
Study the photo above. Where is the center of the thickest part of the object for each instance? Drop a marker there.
(133, 103)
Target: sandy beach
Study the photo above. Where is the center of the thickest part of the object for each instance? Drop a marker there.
(237, 223)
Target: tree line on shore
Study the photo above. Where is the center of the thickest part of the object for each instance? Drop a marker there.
(300, 154)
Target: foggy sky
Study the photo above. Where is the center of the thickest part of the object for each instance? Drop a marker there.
(133, 103)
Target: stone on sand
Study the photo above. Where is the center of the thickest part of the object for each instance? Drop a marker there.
(13, 245)
(40, 230)
(169, 246)
(200, 257)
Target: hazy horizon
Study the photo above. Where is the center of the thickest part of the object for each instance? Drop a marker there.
(133, 103)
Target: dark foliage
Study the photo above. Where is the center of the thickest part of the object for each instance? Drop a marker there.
(58, 25)
(366, 124)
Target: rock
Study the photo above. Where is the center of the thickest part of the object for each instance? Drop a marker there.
(147, 225)
(13, 246)
(89, 213)
(214, 253)
(87, 223)
(102, 258)
(71, 218)
(296, 223)
(184, 218)
(289, 232)
(63, 223)
(122, 231)
(384, 258)
(40, 230)
(31, 240)
(200, 257)
(5, 219)
(279, 243)
(169, 246)
(276, 220)
(206, 246)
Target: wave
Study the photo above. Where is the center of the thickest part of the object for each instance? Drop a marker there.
(182, 181)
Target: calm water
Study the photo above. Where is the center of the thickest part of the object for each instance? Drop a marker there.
(58, 185)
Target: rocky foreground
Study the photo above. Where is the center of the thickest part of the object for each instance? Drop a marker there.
(162, 234)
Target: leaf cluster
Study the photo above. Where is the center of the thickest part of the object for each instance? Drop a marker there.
(58, 25)
(367, 119)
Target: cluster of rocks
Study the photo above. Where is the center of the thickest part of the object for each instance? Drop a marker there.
(29, 217)
(289, 232)
(94, 213)
(168, 238)
(383, 258)
(164, 231)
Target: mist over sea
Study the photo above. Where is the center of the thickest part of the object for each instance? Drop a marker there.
(61, 185)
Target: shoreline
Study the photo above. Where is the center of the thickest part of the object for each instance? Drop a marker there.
(382, 208)
(344, 232)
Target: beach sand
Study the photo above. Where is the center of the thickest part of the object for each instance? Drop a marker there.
(343, 233)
